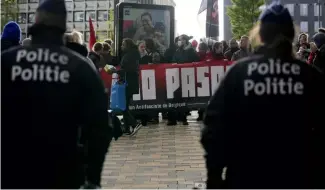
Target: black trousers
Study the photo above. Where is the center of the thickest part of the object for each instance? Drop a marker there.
(127, 115)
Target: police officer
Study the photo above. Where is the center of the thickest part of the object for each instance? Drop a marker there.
(264, 126)
(48, 94)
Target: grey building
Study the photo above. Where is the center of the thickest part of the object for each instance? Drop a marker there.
(309, 15)
(101, 13)
(152, 2)
(227, 34)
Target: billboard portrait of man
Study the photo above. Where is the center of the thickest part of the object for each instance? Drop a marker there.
(141, 24)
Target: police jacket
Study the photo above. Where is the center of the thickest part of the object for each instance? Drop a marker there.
(264, 126)
(49, 92)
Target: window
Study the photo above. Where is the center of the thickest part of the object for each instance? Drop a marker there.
(32, 1)
(87, 34)
(22, 18)
(316, 10)
(69, 17)
(291, 8)
(22, 1)
(303, 9)
(91, 14)
(31, 17)
(102, 16)
(78, 16)
(317, 25)
(102, 35)
(304, 26)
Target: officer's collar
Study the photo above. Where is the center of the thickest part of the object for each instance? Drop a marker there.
(47, 39)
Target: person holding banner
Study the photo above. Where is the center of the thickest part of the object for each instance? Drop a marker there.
(264, 125)
(129, 73)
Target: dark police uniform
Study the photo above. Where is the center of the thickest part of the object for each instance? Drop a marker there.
(265, 126)
(48, 94)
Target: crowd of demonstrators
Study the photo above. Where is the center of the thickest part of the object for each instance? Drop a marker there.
(74, 42)
(95, 55)
(152, 52)
(106, 55)
(170, 51)
(185, 53)
(312, 52)
(225, 46)
(282, 146)
(233, 48)
(194, 44)
(244, 49)
(62, 96)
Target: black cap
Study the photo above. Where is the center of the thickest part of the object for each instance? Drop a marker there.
(319, 39)
(51, 13)
(276, 13)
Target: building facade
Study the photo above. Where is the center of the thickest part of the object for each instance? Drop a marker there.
(152, 2)
(309, 15)
(78, 13)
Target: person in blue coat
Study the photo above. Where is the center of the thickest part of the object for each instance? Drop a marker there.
(10, 36)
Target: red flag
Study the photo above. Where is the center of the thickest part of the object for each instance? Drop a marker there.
(92, 36)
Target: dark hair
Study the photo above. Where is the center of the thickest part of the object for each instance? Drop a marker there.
(321, 30)
(203, 46)
(185, 37)
(97, 47)
(176, 39)
(301, 35)
(109, 41)
(146, 14)
(215, 46)
(150, 44)
(106, 47)
(129, 44)
(224, 45)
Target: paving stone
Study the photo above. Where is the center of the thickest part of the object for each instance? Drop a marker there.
(158, 157)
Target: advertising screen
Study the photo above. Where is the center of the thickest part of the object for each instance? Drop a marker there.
(140, 22)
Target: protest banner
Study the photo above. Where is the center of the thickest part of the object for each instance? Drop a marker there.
(178, 86)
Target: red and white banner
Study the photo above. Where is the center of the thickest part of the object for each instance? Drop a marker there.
(164, 86)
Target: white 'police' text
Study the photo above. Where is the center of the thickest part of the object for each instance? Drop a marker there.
(46, 66)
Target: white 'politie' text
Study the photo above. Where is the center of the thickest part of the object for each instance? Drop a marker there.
(273, 83)
(46, 66)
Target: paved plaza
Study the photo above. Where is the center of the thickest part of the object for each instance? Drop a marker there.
(158, 157)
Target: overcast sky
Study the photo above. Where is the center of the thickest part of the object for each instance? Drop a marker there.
(188, 22)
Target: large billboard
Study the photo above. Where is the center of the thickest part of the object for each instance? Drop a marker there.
(139, 22)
